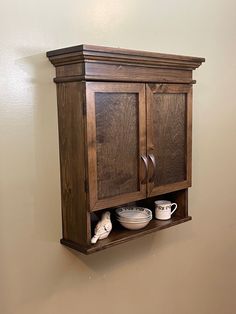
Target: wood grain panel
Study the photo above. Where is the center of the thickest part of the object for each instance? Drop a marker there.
(76, 221)
(169, 129)
(117, 143)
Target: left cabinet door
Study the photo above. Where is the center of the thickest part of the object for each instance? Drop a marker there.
(116, 143)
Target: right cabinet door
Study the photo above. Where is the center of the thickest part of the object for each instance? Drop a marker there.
(169, 137)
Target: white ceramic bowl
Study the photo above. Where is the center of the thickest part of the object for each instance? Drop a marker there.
(134, 225)
(133, 218)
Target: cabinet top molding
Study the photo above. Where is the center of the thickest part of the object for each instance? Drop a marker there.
(97, 63)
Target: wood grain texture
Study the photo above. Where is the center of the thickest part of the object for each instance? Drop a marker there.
(169, 136)
(116, 132)
(181, 198)
(70, 70)
(76, 221)
(117, 143)
(189, 136)
(135, 73)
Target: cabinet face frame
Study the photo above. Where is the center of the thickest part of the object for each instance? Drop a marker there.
(152, 89)
(101, 87)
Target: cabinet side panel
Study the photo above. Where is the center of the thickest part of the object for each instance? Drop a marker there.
(76, 225)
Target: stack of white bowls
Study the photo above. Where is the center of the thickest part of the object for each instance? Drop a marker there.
(133, 218)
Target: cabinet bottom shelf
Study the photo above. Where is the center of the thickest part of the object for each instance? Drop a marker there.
(121, 235)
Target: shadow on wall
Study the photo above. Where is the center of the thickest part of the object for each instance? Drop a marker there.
(136, 250)
(46, 214)
(32, 213)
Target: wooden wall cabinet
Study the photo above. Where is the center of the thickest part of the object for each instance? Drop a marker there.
(125, 124)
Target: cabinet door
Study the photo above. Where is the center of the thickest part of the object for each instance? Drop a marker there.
(169, 128)
(116, 138)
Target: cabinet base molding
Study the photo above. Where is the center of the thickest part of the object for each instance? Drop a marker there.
(121, 236)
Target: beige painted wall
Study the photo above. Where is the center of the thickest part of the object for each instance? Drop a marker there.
(189, 269)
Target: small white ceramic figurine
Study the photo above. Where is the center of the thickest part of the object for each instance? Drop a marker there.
(103, 228)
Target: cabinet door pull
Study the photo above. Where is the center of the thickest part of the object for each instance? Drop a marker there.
(152, 158)
(145, 161)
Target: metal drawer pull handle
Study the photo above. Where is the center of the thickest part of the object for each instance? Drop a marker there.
(144, 159)
(152, 158)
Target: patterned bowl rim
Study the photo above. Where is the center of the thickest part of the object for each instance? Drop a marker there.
(122, 210)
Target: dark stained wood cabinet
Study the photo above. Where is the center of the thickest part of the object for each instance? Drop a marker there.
(125, 124)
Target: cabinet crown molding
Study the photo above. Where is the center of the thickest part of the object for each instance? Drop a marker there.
(89, 61)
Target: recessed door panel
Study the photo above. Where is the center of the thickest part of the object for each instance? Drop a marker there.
(117, 146)
(169, 128)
